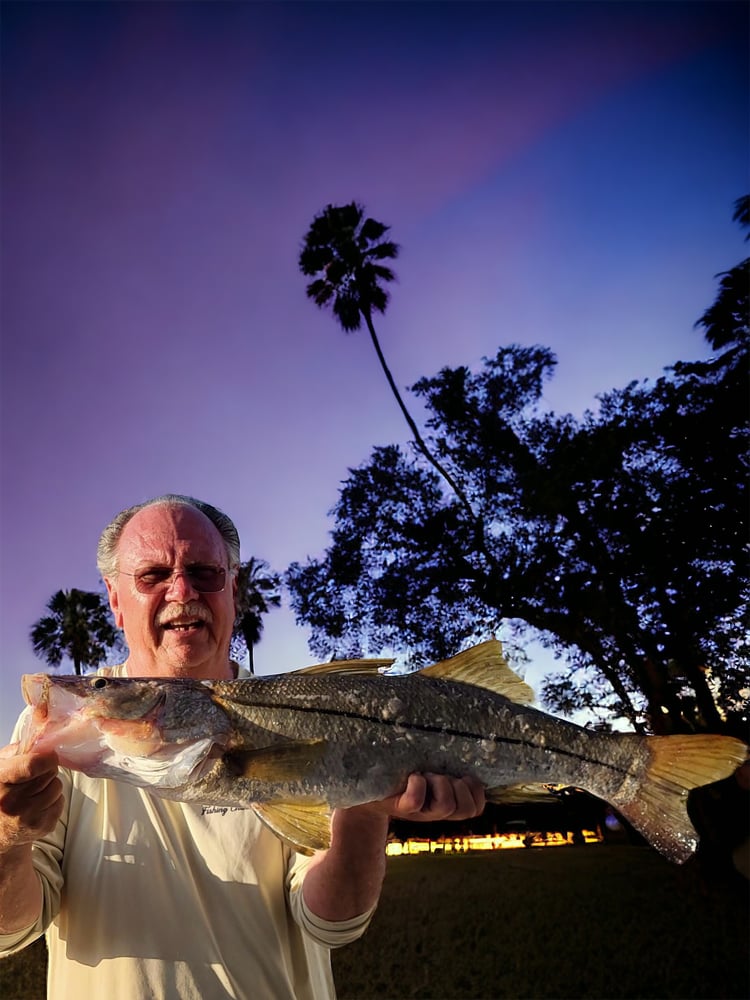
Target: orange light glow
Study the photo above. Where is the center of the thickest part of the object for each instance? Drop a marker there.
(489, 842)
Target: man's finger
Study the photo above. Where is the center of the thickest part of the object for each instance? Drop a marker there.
(27, 767)
(441, 796)
(470, 797)
(452, 798)
(413, 798)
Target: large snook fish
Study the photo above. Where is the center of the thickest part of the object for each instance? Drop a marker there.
(297, 745)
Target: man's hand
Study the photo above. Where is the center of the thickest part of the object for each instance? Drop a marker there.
(31, 802)
(430, 797)
(31, 799)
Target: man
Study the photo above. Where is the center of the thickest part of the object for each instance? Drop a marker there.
(145, 898)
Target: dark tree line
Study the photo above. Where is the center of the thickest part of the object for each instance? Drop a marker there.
(620, 538)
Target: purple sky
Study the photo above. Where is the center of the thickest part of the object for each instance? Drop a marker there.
(556, 173)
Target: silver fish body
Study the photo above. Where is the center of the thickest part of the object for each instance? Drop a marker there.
(364, 735)
(297, 745)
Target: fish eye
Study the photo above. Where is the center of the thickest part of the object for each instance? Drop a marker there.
(99, 682)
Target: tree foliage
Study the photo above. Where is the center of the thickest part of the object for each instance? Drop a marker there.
(618, 538)
(258, 590)
(346, 250)
(726, 322)
(79, 626)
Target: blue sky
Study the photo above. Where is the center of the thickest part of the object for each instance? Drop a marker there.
(556, 173)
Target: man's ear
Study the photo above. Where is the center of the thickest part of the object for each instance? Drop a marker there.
(114, 601)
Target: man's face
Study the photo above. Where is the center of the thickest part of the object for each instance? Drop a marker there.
(172, 629)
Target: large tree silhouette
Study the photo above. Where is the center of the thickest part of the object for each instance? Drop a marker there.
(79, 626)
(619, 538)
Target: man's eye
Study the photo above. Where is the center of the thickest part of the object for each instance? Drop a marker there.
(150, 577)
(204, 574)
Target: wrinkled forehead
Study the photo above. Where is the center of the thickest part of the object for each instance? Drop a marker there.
(165, 534)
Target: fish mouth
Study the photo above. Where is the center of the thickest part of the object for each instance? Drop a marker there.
(34, 688)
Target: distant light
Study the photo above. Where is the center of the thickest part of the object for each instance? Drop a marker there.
(488, 842)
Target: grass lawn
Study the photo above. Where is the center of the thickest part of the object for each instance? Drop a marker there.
(590, 922)
(598, 922)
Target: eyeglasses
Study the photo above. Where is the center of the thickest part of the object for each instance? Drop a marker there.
(203, 579)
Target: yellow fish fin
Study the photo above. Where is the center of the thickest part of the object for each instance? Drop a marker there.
(304, 825)
(656, 803)
(347, 667)
(484, 666)
(520, 794)
(282, 762)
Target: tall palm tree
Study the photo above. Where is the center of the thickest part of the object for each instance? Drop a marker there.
(258, 590)
(344, 251)
(79, 626)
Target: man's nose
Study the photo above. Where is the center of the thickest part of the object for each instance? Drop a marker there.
(180, 587)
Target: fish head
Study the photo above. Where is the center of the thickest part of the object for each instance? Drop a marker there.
(155, 731)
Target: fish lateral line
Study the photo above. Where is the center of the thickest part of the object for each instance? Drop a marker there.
(446, 731)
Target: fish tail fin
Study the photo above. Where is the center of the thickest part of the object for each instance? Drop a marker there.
(658, 807)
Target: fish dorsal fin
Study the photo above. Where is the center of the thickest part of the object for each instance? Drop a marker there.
(305, 826)
(347, 667)
(484, 666)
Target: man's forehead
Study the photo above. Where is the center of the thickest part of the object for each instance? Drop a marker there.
(160, 528)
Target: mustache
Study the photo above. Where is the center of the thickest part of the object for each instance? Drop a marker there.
(193, 610)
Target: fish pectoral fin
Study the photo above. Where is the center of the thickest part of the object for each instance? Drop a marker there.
(483, 666)
(347, 667)
(305, 826)
(281, 762)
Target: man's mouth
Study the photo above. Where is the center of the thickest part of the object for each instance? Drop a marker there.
(183, 626)
(186, 618)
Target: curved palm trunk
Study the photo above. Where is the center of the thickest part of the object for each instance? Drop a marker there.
(434, 462)
(474, 518)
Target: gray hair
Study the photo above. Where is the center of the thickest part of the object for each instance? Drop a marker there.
(106, 552)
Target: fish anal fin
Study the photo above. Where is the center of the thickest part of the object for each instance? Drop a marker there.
(657, 807)
(484, 666)
(281, 762)
(520, 794)
(304, 825)
(350, 667)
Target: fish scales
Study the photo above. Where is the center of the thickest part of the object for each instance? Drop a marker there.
(478, 732)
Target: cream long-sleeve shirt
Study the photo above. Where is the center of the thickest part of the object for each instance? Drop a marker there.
(146, 899)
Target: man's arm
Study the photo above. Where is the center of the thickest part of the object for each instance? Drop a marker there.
(31, 802)
(345, 881)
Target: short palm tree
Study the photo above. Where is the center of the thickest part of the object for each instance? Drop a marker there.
(343, 251)
(258, 590)
(79, 626)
